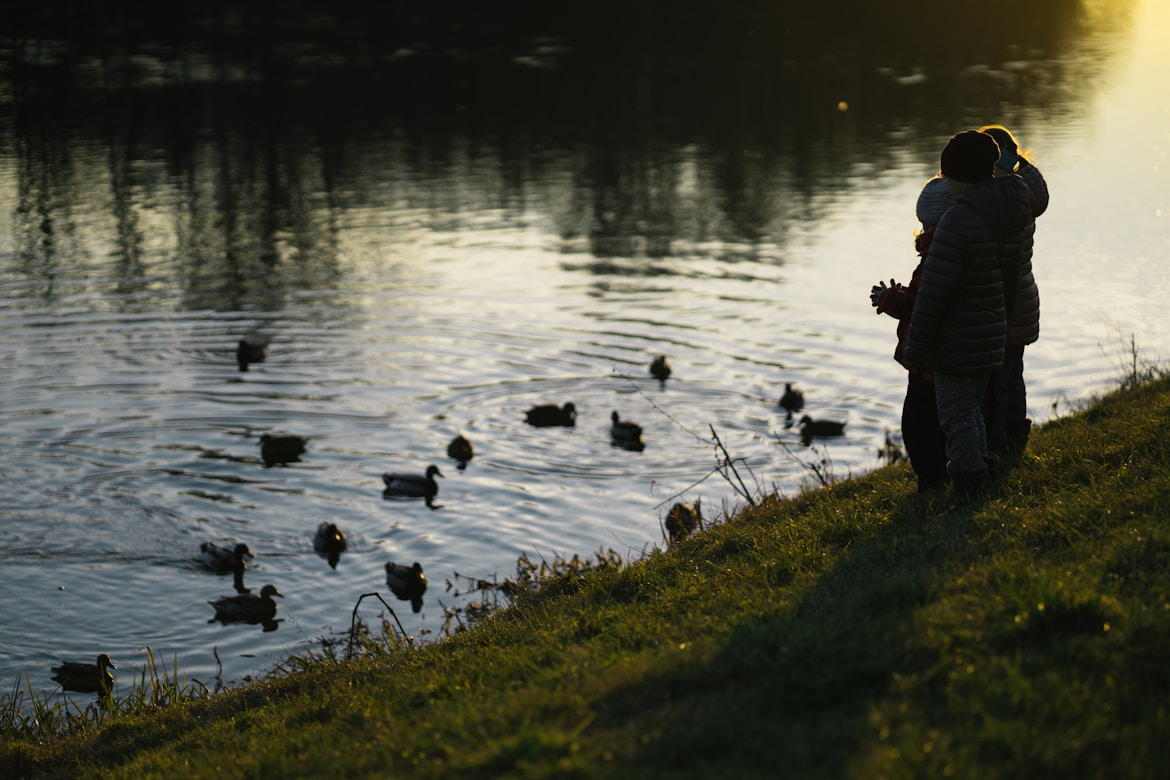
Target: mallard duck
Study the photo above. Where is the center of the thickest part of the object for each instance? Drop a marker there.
(329, 538)
(550, 414)
(626, 433)
(86, 678)
(408, 582)
(282, 448)
(330, 541)
(412, 485)
(810, 428)
(682, 520)
(624, 429)
(660, 368)
(792, 400)
(225, 559)
(252, 349)
(247, 606)
(460, 449)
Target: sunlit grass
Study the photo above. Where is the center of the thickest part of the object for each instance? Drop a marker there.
(848, 631)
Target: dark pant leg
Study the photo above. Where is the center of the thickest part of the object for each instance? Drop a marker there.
(995, 405)
(924, 439)
(1016, 422)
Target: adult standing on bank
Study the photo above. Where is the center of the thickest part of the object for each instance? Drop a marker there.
(1005, 409)
(969, 281)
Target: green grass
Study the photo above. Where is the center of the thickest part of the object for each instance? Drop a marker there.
(845, 632)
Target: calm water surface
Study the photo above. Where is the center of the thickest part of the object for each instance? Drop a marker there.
(431, 269)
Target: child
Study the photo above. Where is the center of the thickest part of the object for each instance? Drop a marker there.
(924, 439)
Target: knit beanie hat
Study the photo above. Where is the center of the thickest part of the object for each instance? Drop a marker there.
(970, 157)
(933, 201)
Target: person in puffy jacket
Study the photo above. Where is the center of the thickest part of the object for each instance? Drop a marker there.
(969, 282)
(926, 444)
(1005, 409)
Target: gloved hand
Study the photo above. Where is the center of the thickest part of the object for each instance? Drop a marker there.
(878, 292)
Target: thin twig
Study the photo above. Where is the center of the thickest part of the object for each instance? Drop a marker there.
(354, 617)
(730, 464)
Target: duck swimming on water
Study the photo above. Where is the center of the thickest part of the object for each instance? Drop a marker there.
(408, 582)
(252, 349)
(792, 400)
(403, 485)
(330, 541)
(225, 559)
(549, 415)
(247, 607)
(86, 678)
(660, 368)
(460, 449)
(814, 429)
(281, 448)
(626, 433)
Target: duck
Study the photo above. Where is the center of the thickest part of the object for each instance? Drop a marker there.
(330, 542)
(550, 414)
(408, 582)
(625, 433)
(792, 400)
(81, 677)
(460, 449)
(682, 520)
(247, 607)
(412, 485)
(252, 349)
(329, 538)
(810, 428)
(660, 368)
(281, 448)
(225, 559)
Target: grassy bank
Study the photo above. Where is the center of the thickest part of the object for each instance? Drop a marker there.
(847, 632)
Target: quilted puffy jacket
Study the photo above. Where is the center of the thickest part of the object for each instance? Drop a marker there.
(1024, 322)
(970, 278)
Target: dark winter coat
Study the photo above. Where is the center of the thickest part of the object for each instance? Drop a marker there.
(1024, 319)
(898, 302)
(969, 280)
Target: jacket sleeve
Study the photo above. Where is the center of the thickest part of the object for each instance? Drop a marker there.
(1037, 188)
(941, 271)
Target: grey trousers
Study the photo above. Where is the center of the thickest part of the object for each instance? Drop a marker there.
(960, 415)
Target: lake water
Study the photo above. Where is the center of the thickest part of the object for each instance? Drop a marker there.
(437, 231)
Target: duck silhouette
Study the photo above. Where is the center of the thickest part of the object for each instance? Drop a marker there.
(407, 582)
(682, 520)
(225, 560)
(660, 368)
(817, 429)
(247, 607)
(330, 541)
(279, 449)
(625, 433)
(792, 400)
(403, 485)
(251, 349)
(81, 677)
(549, 415)
(460, 449)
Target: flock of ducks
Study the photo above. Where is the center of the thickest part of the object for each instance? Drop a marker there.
(408, 583)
